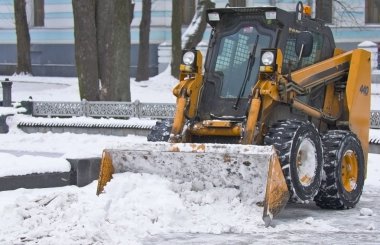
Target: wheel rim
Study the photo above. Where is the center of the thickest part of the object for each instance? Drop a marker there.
(306, 162)
(349, 170)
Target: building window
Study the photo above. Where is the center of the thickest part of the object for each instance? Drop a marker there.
(323, 10)
(188, 11)
(39, 13)
(372, 11)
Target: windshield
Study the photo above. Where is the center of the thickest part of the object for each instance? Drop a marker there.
(232, 59)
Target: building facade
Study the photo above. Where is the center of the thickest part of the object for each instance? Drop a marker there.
(51, 29)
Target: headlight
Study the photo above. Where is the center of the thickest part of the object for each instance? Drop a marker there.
(188, 58)
(267, 58)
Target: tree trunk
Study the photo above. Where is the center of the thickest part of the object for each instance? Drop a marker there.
(113, 38)
(143, 57)
(104, 11)
(86, 57)
(102, 48)
(23, 38)
(188, 8)
(377, 3)
(194, 33)
(120, 51)
(323, 10)
(39, 12)
(237, 3)
(176, 37)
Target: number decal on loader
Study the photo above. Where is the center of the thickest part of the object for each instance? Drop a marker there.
(364, 89)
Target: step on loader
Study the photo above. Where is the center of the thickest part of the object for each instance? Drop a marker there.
(277, 111)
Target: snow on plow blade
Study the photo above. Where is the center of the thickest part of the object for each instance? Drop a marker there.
(254, 170)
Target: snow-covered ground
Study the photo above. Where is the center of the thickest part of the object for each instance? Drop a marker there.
(375, 98)
(148, 209)
(157, 89)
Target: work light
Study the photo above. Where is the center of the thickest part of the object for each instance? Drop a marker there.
(268, 60)
(188, 58)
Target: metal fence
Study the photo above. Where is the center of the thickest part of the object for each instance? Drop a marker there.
(102, 109)
(121, 110)
(375, 119)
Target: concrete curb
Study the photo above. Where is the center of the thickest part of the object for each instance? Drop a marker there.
(86, 130)
(30, 181)
(374, 148)
(83, 171)
(4, 128)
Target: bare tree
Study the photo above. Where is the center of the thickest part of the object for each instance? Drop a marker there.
(377, 3)
(194, 33)
(86, 55)
(176, 37)
(39, 12)
(102, 47)
(143, 57)
(116, 81)
(23, 38)
(324, 10)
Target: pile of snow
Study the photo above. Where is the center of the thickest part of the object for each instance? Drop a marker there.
(134, 207)
(366, 212)
(10, 110)
(28, 164)
(68, 145)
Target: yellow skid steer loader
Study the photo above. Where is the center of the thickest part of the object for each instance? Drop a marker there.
(278, 113)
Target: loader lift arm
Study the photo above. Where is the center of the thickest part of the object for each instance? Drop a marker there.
(348, 74)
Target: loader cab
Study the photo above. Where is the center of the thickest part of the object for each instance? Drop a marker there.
(234, 54)
(233, 60)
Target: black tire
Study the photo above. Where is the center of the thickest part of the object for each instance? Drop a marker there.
(344, 171)
(161, 131)
(303, 172)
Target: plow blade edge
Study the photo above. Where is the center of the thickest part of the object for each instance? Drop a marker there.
(254, 170)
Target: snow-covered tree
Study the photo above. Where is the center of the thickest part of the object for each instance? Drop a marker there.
(194, 33)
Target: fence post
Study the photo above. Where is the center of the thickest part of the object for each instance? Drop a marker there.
(137, 103)
(84, 108)
(7, 92)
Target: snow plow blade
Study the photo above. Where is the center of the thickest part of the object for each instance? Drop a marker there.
(254, 170)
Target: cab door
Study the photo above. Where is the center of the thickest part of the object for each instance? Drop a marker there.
(228, 69)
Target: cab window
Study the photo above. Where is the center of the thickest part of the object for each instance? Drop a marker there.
(291, 58)
(232, 59)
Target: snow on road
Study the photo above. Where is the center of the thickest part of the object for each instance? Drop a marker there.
(143, 208)
(148, 209)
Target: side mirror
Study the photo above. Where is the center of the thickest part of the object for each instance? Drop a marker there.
(304, 44)
(299, 10)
